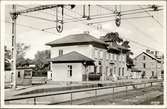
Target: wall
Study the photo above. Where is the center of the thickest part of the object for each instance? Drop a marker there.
(8, 76)
(83, 49)
(150, 65)
(119, 61)
(89, 51)
(22, 80)
(59, 72)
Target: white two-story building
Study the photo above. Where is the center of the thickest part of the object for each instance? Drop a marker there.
(73, 57)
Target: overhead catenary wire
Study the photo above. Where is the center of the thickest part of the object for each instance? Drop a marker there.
(54, 33)
(126, 18)
(33, 28)
(79, 19)
(138, 43)
(152, 17)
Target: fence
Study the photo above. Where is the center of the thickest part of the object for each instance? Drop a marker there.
(71, 92)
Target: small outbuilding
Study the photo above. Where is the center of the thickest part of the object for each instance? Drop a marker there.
(24, 76)
(136, 74)
(72, 66)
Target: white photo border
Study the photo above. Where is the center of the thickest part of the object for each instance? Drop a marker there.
(3, 3)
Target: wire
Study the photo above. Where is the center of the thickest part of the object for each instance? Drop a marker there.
(128, 18)
(31, 27)
(152, 17)
(105, 8)
(39, 18)
(143, 32)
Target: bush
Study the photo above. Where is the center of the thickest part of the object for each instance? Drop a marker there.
(93, 76)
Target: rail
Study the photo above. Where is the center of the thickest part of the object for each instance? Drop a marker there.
(35, 96)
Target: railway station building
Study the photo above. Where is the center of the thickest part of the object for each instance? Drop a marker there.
(75, 56)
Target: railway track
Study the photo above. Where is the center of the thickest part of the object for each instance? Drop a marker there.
(134, 96)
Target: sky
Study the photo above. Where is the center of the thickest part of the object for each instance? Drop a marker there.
(142, 33)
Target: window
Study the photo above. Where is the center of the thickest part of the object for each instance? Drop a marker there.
(144, 65)
(152, 73)
(110, 72)
(123, 58)
(111, 56)
(115, 57)
(69, 70)
(60, 52)
(159, 65)
(144, 57)
(120, 57)
(107, 56)
(100, 69)
(101, 54)
(19, 74)
(122, 71)
(27, 74)
(96, 53)
(114, 70)
(119, 73)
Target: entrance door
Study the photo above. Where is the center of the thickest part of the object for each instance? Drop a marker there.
(69, 72)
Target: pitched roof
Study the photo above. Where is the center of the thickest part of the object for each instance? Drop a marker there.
(150, 55)
(71, 57)
(76, 38)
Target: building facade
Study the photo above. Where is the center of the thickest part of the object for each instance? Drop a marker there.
(149, 64)
(111, 65)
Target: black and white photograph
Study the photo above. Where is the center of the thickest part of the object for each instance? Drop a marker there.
(83, 54)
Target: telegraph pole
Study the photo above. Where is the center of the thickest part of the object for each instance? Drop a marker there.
(13, 57)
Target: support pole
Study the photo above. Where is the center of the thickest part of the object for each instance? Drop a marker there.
(13, 57)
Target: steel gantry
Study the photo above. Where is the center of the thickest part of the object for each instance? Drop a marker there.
(14, 14)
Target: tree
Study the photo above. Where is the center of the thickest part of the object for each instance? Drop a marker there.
(7, 58)
(41, 63)
(129, 60)
(113, 37)
(21, 51)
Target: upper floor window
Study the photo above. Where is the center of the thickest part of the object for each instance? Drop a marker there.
(144, 65)
(107, 56)
(119, 72)
(159, 65)
(123, 58)
(119, 57)
(60, 52)
(101, 54)
(111, 56)
(144, 57)
(122, 71)
(115, 57)
(96, 53)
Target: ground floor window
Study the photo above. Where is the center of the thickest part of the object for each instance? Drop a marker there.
(100, 69)
(18, 74)
(114, 70)
(110, 71)
(69, 70)
(152, 73)
(119, 73)
(122, 71)
(143, 74)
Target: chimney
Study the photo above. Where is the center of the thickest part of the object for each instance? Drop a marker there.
(147, 51)
(156, 54)
(152, 52)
